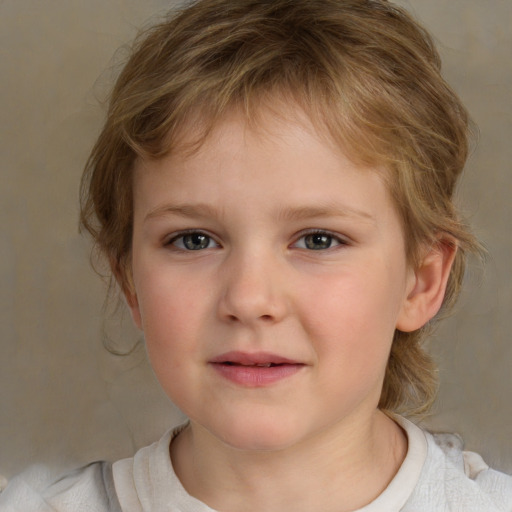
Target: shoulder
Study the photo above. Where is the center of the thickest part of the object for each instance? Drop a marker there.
(100, 486)
(85, 489)
(461, 480)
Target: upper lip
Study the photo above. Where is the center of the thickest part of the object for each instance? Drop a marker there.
(251, 359)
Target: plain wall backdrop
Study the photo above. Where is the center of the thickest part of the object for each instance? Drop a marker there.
(65, 400)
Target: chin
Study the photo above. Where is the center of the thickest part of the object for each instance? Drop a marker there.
(258, 434)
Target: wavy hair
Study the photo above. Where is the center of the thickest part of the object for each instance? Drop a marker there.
(363, 71)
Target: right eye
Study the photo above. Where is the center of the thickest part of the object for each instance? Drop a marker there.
(194, 241)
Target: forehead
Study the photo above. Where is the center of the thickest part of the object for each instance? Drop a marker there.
(282, 162)
(266, 113)
(266, 131)
(268, 122)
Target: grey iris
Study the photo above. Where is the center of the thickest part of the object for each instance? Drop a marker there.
(196, 241)
(318, 241)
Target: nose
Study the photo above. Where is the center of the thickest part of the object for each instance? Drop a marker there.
(254, 290)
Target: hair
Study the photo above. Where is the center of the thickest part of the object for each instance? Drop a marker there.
(363, 71)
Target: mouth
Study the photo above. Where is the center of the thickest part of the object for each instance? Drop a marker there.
(260, 359)
(259, 365)
(255, 370)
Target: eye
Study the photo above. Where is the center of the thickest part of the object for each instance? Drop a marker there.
(193, 241)
(318, 241)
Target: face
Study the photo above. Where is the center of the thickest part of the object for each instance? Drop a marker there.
(269, 275)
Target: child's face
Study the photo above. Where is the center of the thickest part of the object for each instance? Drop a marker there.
(267, 247)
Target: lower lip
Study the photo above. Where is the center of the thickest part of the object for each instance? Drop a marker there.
(256, 376)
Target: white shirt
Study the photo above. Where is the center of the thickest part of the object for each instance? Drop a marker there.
(436, 476)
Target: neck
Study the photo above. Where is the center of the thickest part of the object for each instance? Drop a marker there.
(340, 469)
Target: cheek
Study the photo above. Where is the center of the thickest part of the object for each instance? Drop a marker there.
(166, 299)
(352, 321)
(170, 333)
(171, 313)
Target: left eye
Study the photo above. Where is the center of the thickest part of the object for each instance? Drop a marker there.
(318, 241)
(193, 242)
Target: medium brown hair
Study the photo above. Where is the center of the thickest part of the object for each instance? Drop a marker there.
(363, 71)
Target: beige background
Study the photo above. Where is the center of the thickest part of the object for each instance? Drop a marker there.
(64, 400)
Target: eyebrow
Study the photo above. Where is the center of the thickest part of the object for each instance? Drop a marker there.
(203, 210)
(309, 212)
(196, 210)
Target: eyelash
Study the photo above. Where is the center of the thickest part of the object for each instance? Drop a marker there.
(332, 238)
(181, 235)
(323, 233)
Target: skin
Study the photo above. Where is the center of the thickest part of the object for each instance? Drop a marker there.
(262, 282)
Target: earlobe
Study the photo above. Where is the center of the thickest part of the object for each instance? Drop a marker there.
(427, 286)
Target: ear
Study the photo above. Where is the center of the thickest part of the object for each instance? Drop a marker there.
(133, 304)
(123, 275)
(427, 286)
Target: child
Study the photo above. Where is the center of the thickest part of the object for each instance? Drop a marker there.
(273, 190)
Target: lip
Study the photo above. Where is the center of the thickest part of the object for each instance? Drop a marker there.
(255, 369)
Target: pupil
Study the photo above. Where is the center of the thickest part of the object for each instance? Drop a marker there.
(196, 241)
(318, 241)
